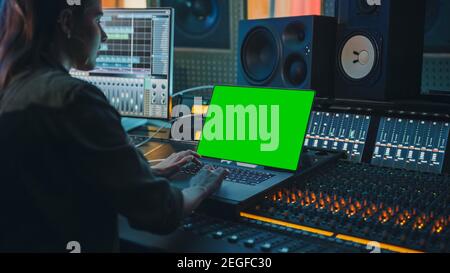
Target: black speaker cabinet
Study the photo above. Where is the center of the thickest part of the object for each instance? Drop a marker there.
(206, 39)
(380, 49)
(201, 23)
(437, 23)
(291, 52)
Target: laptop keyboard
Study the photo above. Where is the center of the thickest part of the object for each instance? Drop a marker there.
(138, 141)
(236, 175)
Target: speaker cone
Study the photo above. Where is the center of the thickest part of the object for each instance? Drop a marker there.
(358, 57)
(196, 17)
(295, 69)
(259, 55)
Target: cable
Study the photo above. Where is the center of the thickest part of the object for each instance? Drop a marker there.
(181, 93)
(190, 90)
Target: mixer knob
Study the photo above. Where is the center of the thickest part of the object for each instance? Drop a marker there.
(249, 243)
(188, 227)
(267, 247)
(283, 250)
(218, 235)
(233, 239)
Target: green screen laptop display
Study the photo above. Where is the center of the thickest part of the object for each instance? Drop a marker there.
(258, 126)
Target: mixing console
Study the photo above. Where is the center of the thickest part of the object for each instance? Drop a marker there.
(336, 131)
(411, 144)
(392, 195)
(202, 233)
(404, 211)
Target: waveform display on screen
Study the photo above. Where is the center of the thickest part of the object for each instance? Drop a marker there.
(138, 42)
(134, 66)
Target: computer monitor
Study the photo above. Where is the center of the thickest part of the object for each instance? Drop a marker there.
(135, 66)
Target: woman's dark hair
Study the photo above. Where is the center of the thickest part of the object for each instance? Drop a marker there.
(27, 28)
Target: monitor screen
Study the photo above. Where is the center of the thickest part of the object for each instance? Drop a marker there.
(134, 66)
(259, 126)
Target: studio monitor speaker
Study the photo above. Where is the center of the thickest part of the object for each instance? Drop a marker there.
(201, 23)
(291, 52)
(206, 33)
(380, 49)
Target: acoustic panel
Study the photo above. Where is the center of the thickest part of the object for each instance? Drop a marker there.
(436, 74)
(329, 8)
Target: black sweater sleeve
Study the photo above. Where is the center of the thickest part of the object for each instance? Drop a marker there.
(114, 168)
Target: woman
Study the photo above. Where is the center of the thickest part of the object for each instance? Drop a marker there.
(66, 166)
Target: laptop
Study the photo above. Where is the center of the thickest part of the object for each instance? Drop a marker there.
(257, 134)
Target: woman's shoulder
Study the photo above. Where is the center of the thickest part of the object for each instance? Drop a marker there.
(47, 88)
(61, 88)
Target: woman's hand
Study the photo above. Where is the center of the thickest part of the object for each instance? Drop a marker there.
(207, 181)
(175, 162)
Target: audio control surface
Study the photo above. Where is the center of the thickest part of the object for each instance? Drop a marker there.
(404, 211)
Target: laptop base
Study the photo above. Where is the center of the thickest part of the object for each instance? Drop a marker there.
(311, 160)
